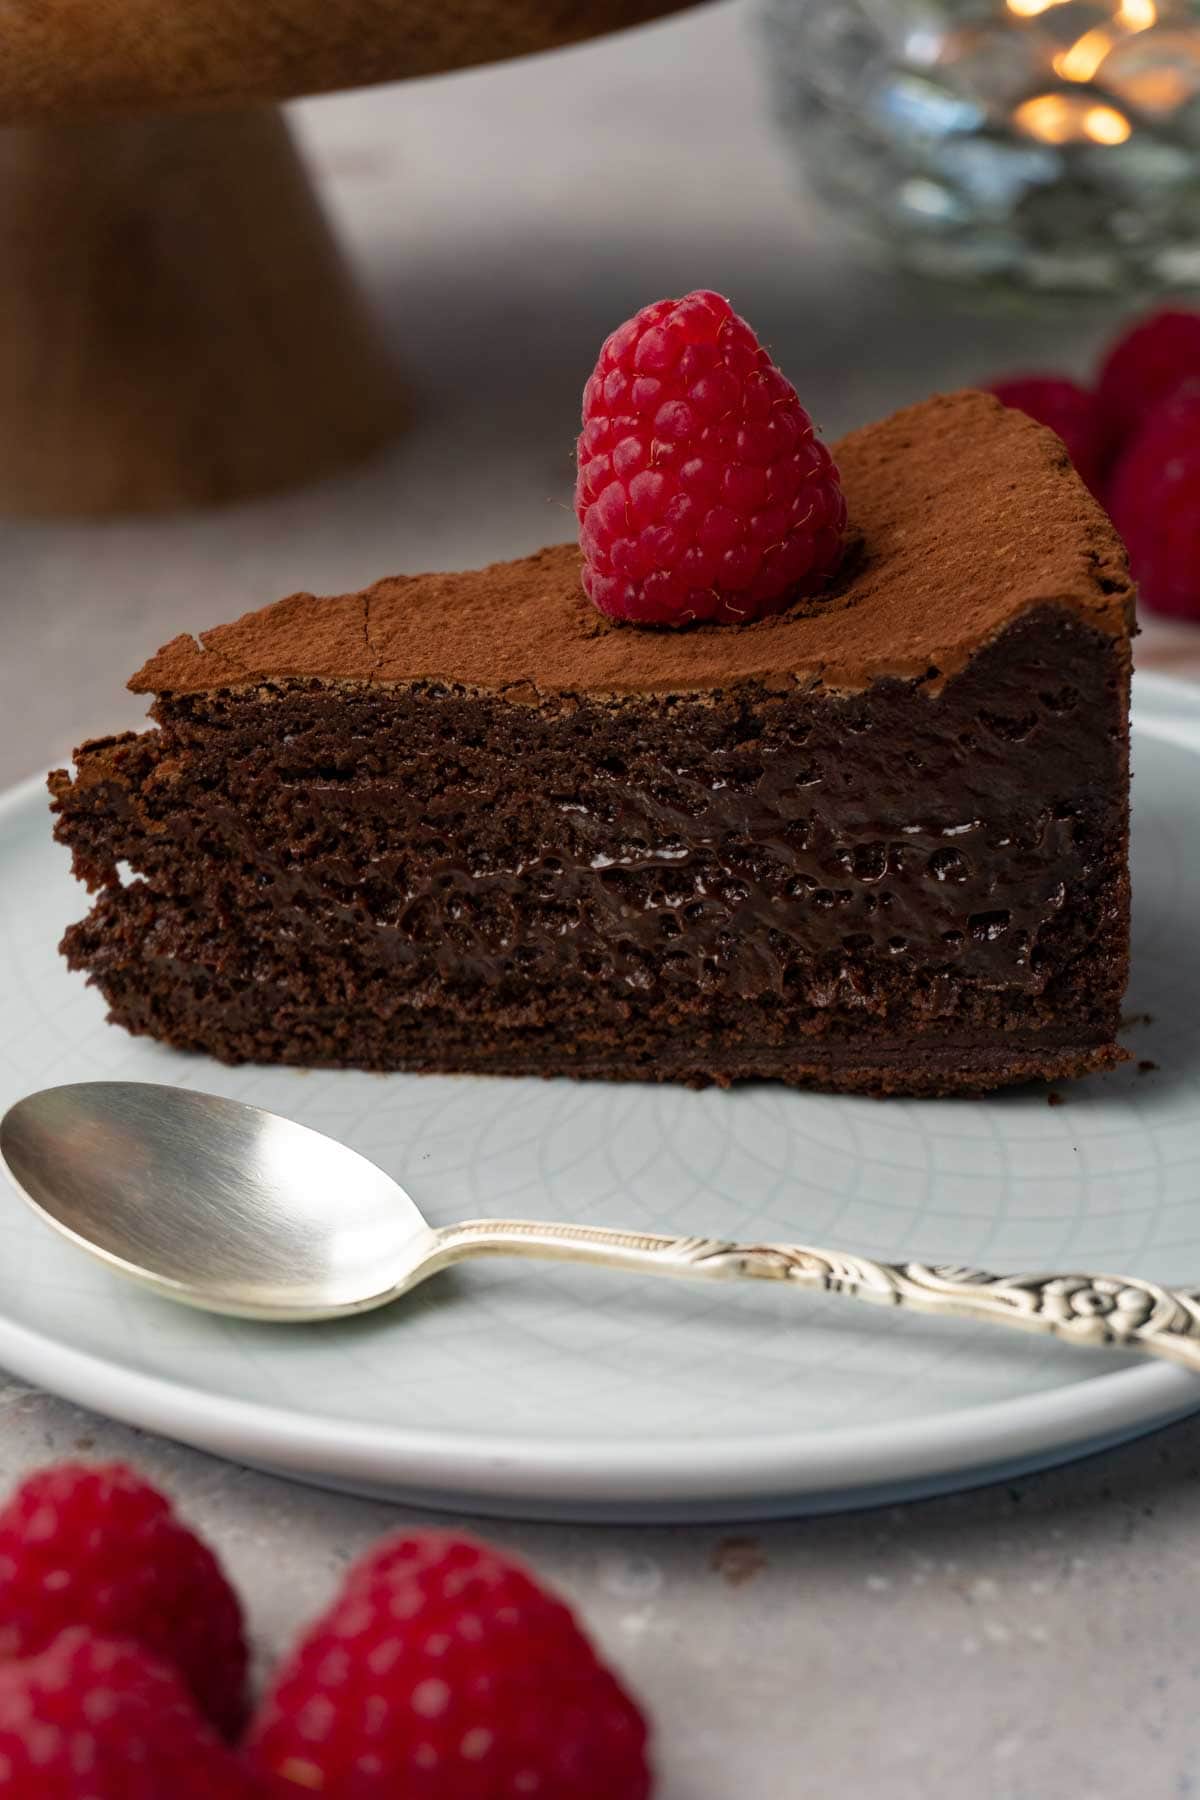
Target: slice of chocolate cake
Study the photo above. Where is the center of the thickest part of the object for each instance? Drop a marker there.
(461, 822)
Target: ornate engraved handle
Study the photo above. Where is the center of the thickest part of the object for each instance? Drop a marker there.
(1091, 1311)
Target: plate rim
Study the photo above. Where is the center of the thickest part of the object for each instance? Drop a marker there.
(1060, 1421)
(1054, 1424)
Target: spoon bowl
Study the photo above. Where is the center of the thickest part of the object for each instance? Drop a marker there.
(213, 1202)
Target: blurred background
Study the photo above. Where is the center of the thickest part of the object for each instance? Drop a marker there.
(901, 196)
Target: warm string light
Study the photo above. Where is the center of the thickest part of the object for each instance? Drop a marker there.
(1137, 15)
(1070, 118)
(1081, 62)
(1105, 125)
(1130, 15)
(1029, 9)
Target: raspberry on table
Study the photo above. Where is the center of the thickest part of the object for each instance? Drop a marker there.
(1067, 409)
(1154, 500)
(1145, 365)
(444, 1672)
(703, 492)
(94, 1718)
(96, 1545)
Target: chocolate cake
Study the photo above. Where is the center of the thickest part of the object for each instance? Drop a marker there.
(461, 822)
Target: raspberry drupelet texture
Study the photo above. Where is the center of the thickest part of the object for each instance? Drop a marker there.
(98, 1546)
(1068, 409)
(94, 1718)
(703, 492)
(1154, 500)
(443, 1672)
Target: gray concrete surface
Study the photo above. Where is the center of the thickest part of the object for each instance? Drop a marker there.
(1025, 1642)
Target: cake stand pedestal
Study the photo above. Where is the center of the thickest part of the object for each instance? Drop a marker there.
(177, 324)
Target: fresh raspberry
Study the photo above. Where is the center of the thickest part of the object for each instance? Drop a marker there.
(1154, 500)
(443, 1672)
(702, 491)
(94, 1718)
(1068, 409)
(98, 1546)
(1144, 366)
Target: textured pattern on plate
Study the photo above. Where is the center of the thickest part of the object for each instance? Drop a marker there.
(656, 1385)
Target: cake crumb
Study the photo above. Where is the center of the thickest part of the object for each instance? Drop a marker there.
(1146, 1067)
(738, 1560)
(1131, 1019)
(1055, 1099)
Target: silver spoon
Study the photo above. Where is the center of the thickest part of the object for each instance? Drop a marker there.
(238, 1211)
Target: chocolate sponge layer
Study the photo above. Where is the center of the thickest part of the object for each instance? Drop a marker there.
(887, 890)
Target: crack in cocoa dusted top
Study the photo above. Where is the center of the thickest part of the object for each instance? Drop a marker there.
(965, 515)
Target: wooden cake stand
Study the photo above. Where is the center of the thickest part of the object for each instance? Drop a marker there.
(177, 325)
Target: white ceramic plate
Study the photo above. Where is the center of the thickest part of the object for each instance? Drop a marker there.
(561, 1392)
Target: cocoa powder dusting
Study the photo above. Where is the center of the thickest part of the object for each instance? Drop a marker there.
(965, 515)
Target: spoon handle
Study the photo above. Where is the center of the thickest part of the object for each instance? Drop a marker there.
(1091, 1311)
